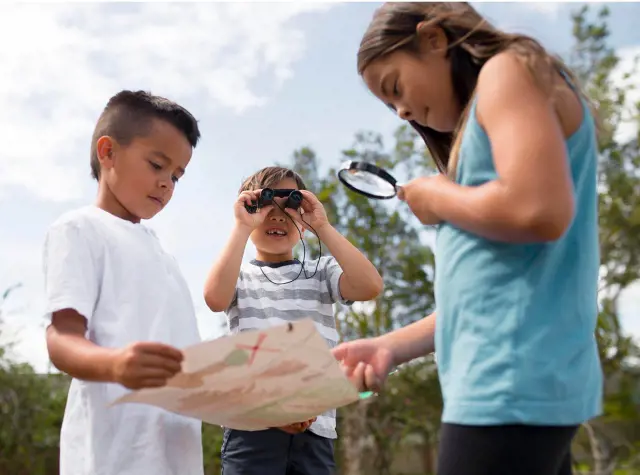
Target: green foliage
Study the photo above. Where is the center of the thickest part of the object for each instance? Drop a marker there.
(211, 444)
(595, 61)
(31, 409)
(613, 438)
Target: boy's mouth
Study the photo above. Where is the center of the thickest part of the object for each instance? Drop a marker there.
(276, 232)
(156, 200)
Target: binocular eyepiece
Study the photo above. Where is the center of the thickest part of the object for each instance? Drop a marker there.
(294, 199)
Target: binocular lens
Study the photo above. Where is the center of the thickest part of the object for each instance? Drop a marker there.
(267, 193)
(296, 196)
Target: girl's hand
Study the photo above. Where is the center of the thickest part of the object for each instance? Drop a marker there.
(243, 217)
(416, 194)
(365, 362)
(313, 212)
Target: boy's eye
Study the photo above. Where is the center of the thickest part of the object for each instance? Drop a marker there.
(174, 179)
(155, 165)
(396, 92)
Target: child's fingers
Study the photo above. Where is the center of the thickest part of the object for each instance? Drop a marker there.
(308, 197)
(160, 349)
(357, 377)
(347, 369)
(156, 373)
(372, 382)
(153, 383)
(340, 352)
(246, 197)
(157, 361)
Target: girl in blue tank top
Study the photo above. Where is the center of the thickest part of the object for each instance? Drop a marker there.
(517, 247)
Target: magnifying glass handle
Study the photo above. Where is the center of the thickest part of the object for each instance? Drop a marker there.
(368, 394)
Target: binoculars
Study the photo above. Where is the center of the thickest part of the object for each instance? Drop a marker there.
(294, 199)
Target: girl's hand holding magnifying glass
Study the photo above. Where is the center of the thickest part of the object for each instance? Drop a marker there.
(417, 193)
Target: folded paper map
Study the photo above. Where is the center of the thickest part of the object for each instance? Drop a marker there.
(255, 379)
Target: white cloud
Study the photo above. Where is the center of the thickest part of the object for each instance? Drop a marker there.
(629, 309)
(547, 8)
(60, 64)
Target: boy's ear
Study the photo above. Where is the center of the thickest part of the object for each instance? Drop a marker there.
(105, 150)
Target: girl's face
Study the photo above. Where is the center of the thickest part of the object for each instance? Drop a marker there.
(417, 86)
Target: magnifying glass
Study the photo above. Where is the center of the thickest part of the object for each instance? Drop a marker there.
(368, 180)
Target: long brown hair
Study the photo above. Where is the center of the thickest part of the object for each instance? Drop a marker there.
(472, 42)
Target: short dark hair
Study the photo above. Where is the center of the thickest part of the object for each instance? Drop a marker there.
(129, 114)
(268, 177)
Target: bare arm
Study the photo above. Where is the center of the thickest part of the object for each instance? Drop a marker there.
(139, 365)
(412, 341)
(73, 354)
(532, 199)
(367, 362)
(220, 285)
(360, 280)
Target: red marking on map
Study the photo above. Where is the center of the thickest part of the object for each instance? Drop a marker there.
(257, 347)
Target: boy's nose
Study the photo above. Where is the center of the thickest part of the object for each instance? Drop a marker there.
(278, 217)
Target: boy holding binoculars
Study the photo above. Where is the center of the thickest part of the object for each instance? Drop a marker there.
(274, 209)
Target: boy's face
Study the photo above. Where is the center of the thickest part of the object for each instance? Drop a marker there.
(276, 237)
(142, 175)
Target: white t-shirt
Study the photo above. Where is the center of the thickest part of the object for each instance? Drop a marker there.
(116, 274)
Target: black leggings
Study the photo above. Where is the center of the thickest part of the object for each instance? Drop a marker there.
(505, 450)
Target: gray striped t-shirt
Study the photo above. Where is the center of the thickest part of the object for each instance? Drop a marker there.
(263, 300)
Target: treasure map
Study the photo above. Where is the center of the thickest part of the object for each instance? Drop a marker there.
(255, 379)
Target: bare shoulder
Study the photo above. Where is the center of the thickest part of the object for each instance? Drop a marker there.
(506, 67)
(506, 78)
(507, 81)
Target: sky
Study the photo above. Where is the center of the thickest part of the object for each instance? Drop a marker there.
(263, 79)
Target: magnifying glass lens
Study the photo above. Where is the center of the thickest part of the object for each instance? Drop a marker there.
(369, 183)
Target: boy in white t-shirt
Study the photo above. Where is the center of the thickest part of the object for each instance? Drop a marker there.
(119, 306)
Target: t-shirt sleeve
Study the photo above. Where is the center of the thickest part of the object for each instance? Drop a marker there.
(333, 273)
(234, 299)
(71, 271)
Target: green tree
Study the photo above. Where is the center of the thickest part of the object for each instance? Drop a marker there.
(595, 62)
(31, 410)
(211, 445)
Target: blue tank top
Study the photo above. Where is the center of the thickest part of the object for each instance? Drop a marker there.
(515, 323)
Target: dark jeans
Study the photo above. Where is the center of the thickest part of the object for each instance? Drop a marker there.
(274, 452)
(505, 450)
